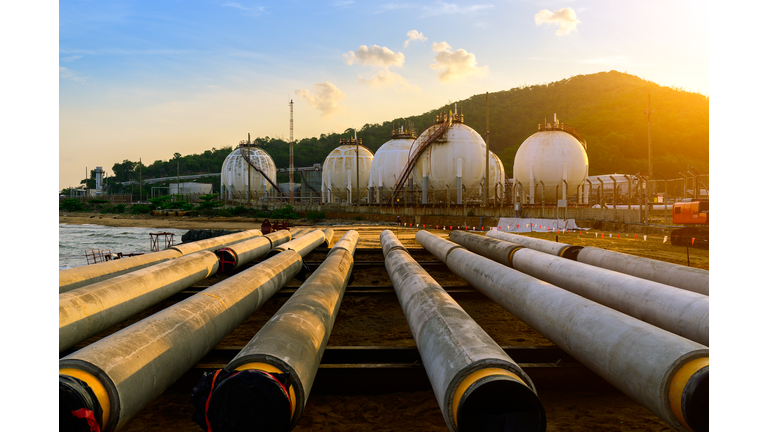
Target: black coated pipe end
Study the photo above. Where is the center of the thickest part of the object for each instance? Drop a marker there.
(500, 404)
(77, 405)
(695, 401)
(251, 400)
(227, 260)
(572, 252)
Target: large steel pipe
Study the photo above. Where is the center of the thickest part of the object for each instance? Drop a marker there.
(120, 374)
(233, 257)
(85, 311)
(328, 233)
(553, 248)
(664, 372)
(477, 386)
(681, 312)
(497, 250)
(687, 278)
(77, 277)
(214, 243)
(285, 353)
(303, 245)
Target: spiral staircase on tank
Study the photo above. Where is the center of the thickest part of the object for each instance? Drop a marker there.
(246, 154)
(415, 156)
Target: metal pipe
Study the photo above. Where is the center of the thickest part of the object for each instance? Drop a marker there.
(665, 373)
(553, 248)
(686, 278)
(681, 312)
(477, 385)
(128, 369)
(303, 245)
(85, 311)
(328, 233)
(497, 250)
(77, 277)
(214, 243)
(233, 257)
(291, 343)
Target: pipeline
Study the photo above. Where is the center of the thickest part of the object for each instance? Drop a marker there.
(233, 257)
(553, 248)
(664, 372)
(328, 233)
(681, 312)
(84, 312)
(120, 374)
(303, 245)
(284, 354)
(686, 278)
(477, 385)
(77, 277)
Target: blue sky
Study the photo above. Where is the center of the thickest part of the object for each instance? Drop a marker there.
(142, 79)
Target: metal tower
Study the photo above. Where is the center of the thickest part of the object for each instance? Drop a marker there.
(290, 162)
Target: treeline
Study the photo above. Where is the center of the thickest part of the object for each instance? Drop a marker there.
(607, 108)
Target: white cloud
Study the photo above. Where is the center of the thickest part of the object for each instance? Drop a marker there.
(385, 78)
(564, 18)
(454, 65)
(326, 99)
(258, 10)
(375, 56)
(440, 8)
(70, 58)
(71, 75)
(414, 35)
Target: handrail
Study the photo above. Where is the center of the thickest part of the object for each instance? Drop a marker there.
(415, 156)
(245, 152)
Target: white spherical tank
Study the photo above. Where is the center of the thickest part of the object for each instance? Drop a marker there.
(234, 173)
(549, 156)
(459, 151)
(339, 172)
(388, 162)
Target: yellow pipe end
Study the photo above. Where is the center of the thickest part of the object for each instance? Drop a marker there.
(473, 378)
(677, 386)
(266, 367)
(98, 389)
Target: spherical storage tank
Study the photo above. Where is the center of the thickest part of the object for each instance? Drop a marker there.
(549, 156)
(389, 160)
(459, 150)
(339, 171)
(234, 172)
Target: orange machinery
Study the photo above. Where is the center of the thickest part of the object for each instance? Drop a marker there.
(694, 216)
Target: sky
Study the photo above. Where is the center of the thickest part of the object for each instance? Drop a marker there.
(144, 80)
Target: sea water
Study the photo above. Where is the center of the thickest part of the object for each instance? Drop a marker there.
(74, 240)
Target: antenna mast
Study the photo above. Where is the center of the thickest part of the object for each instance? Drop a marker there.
(290, 162)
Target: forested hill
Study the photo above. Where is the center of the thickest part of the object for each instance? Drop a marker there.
(606, 108)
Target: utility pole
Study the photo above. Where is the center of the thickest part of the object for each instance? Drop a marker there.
(648, 112)
(290, 162)
(357, 167)
(178, 179)
(487, 153)
(139, 179)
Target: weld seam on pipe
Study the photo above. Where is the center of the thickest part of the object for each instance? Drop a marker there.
(294, 339)
(139, 362)
(84, 312)
(453, 347)
(643, 358)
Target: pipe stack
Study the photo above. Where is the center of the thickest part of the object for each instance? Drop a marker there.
(477, 385)
(278, 366)
(665, 373)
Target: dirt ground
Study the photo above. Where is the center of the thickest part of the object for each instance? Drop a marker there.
(378, 320)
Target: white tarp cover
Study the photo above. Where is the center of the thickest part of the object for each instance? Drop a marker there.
(520, 225)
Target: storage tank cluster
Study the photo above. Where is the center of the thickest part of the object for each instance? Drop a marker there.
(552, 164)
(235, 173)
